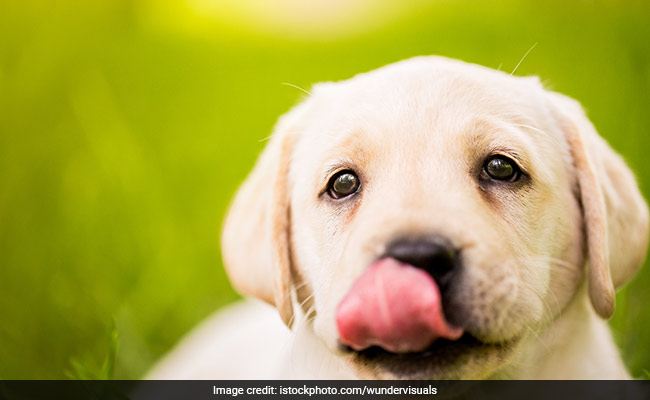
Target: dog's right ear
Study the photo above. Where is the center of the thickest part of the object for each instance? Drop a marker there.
(256, 238)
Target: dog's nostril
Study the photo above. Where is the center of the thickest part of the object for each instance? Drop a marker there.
(435, 255)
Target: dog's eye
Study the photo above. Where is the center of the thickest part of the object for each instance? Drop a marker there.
(500, 168)
(343, 184)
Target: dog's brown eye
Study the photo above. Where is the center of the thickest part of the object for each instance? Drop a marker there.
(343, 184)
(500, 168)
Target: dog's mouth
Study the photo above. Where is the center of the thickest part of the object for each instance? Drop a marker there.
(395, 306)
(434, 351)
(392, 324)
(443, 359)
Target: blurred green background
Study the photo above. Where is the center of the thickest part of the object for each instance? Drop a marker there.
(126, 126)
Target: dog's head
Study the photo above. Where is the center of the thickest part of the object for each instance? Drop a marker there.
(428, 216)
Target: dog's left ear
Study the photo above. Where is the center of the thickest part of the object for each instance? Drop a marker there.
(256, 239)
(614, 212)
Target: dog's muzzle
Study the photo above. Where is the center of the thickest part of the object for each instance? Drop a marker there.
(396, 303)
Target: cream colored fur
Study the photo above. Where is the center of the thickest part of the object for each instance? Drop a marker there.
(542, 258)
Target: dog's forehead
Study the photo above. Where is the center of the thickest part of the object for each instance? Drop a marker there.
(422, 93)
(426, 101)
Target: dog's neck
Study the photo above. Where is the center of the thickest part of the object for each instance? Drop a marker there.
(578, 345)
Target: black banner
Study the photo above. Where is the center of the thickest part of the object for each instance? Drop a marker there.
(172, 390)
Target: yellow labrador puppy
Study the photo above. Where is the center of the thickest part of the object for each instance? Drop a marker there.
(430, 219)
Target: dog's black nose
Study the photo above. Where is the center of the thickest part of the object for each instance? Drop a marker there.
(436, 254)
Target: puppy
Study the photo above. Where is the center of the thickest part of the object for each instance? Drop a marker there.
(431, 219)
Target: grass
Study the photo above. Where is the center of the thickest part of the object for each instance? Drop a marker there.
(107, 369)
(125, 128)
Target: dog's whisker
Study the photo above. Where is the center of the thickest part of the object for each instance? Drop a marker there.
(292, 319)
(311, 296)
(295, 314)
(536, 335)
(523, 58)
(532, 128)
(303, 302)
(310, 314)
(561, 262)
(297, 87)
(554, 262)
(549, 315)
(300, 285)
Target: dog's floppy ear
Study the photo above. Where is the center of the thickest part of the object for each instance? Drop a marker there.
(256, 238)
(614, 212)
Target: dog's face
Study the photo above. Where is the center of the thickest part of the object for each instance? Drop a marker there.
(423, 152)
(429, 216)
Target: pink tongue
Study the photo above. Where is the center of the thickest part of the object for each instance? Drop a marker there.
(395, 306)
